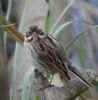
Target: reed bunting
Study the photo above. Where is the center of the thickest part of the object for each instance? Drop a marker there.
(48, 54)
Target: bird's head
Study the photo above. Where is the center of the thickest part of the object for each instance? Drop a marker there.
(33, 34)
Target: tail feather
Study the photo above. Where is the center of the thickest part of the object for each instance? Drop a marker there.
(78, 73)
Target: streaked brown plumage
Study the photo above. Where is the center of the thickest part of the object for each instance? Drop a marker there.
(49, 54)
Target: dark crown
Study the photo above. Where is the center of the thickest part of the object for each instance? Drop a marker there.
(33, 28)
(36, 30)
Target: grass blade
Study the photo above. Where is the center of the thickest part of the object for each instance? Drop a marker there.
(48, 17)
(13, 91)
(59, 29)
(47, 21)
(75, 39)
(2, 35)
(60, 17)
(26, 82)
(5, 34)
(86, 22)
(95, 83)
(92, 26)
(35, 97)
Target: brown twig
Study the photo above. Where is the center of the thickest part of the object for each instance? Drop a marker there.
(68, 92)
(11, 30)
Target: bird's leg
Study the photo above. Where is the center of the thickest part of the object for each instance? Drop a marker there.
(49, 84)
(51, 79)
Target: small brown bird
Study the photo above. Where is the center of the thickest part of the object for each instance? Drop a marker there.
(47, 53)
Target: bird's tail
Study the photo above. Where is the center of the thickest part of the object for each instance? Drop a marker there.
(79, 74)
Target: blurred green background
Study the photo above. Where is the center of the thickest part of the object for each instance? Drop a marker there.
(63, 19)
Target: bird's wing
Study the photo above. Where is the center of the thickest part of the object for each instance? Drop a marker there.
(57, 55)
(62, 55)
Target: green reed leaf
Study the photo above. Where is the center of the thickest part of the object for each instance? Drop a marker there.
(48, 16)
(26, 82)
(76, 38)
(60, 17)
(95, 83)
(60, 28)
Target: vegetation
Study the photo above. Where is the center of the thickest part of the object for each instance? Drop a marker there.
(8, 29)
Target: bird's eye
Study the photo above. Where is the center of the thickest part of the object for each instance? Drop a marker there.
(28, 34)
(39, 32)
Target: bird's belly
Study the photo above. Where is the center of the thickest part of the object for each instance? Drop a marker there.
(37, 62)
